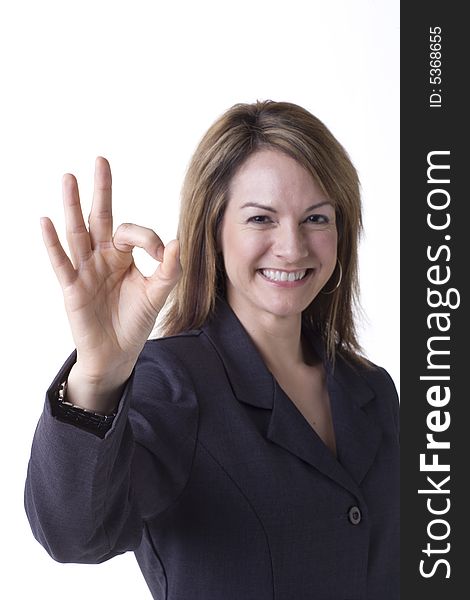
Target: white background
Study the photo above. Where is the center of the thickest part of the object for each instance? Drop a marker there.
(140, 82)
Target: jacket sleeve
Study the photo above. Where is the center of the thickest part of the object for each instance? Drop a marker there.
(87, 497)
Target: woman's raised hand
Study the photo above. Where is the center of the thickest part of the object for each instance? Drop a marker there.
(110, 305)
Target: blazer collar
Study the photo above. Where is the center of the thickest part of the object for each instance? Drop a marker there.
(251, 381)
(357, 435)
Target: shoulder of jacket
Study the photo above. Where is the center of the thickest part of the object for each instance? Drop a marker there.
(375, 376)
(177, 336)
(176, 345)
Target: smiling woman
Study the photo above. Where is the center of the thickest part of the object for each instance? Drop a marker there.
(292, 132)
(252, 450)
(278, 253)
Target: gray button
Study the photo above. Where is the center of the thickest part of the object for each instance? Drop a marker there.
(354, 515)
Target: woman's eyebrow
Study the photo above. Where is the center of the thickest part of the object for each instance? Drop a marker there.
(273, 210)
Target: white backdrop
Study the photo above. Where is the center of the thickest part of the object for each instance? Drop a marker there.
(140, 83)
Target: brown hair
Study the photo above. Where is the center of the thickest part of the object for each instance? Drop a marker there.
(238, 133)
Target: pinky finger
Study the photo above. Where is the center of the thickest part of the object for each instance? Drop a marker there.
(60, 262)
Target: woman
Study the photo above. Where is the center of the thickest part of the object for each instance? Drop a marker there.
(251, 452)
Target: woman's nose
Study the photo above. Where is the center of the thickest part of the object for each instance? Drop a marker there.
(290, 244)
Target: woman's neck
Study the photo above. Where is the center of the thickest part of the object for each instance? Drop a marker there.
(278, 339)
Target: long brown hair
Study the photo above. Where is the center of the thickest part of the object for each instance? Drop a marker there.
(242, 130)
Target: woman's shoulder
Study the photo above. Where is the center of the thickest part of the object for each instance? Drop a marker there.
(377, 376)
(169, 351)
(162, 372)
(363, 367)
(374, 382)
(176, 339)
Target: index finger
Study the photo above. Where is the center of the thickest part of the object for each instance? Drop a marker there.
(101, 215)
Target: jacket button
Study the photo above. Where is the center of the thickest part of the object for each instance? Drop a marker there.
(354, 515)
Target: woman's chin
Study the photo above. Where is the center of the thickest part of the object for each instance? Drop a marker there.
(283, 309)
(282, 304)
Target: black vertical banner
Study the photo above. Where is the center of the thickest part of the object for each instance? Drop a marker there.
(435, 250)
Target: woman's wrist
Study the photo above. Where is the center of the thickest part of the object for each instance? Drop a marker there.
(98, 395)
(91, 421)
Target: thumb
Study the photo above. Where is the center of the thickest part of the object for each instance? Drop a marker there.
(170, 268)
(166, 275)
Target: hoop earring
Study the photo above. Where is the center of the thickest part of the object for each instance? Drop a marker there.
(339, 280)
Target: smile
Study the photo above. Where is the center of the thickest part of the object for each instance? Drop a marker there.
(275, 275)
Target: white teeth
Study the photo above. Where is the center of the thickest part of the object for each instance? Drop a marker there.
(283, 275)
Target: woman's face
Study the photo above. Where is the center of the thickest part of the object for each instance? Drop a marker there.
(278, 237)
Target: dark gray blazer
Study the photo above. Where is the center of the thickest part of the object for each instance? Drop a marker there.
(218, 483)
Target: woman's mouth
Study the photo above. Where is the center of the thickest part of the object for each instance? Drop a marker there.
(285, 277)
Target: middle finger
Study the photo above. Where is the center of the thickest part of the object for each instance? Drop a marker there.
(101, 215)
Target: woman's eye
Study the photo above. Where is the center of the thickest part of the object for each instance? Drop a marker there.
(318, 219)
(260, 219)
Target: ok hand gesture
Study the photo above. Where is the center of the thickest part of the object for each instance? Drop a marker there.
(110, 305)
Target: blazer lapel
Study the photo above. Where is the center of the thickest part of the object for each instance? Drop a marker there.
(249, 378)
(357, 437)
(289, 429)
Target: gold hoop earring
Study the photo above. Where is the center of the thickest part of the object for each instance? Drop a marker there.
(339, 280)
